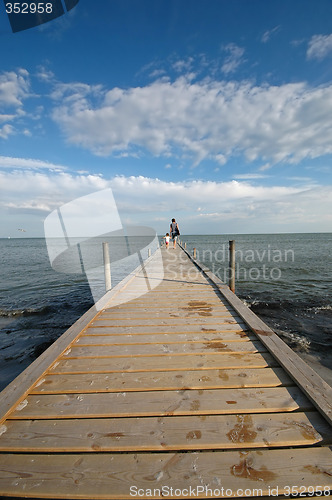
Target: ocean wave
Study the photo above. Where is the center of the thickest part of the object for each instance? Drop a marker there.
(304, 327)
(14, 313)
(318, 309)
(295, 340)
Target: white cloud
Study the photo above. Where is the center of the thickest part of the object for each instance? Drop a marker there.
(6, 118)
(214, 194)
(14, 88)
(183, 65)
(200, 206)
(28, 163)
(45, 74)
(269, 33)
(250, 176)
(234, 58)
(199, 120)
(319, 47)
(27, 190)
(6, 131)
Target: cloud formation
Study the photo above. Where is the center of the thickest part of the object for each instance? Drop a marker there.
(320, 46)
(269, 33)
(199, 120)
(234, 58)
(29, 163)
(201, 206)
(14, 88)
(186, 119)
(30, 191)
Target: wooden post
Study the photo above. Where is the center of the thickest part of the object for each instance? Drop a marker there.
(232, 265)
(149, 252)
(107, 267)
(194, 253)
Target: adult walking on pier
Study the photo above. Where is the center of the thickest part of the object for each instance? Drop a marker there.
(174, 230)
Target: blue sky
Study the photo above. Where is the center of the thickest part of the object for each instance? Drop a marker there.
(218, 113)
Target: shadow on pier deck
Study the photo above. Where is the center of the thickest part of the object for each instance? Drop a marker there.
(179, 393)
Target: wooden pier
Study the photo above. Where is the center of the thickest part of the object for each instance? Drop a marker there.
(179, 393)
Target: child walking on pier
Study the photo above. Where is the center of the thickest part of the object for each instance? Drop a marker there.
(167, 238)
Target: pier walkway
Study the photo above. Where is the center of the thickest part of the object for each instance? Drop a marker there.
(179, 393)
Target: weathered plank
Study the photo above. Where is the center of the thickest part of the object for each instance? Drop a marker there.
(155, 338)
(148, 349)
(177, 380)
(166, 433)
(155, 305)
(159, 403)
(157, 315)
(164, 363)
(156, 322)
(119, 476)
(160, 329)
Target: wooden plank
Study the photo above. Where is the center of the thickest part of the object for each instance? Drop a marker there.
(156, 322)
(213, 379)
(165, 306)
(146, 302)
(166, 433)
(164, 363)
(159, 403)
(162, 300)
(165, 315)
(185, 348)
(184, 292)
(119, 476)
(155, 338)
(171, 319)
(161, 329)
(193, 287)
(185, 304)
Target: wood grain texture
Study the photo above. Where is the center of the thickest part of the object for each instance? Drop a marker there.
(162, 349)
(159, 380)
(166, 433)
(164, 363)
(159, 403)
(109, 329)
(161, 338)
(110, 476)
